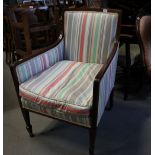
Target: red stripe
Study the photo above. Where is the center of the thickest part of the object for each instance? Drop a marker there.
(92, 38)
(33, 84)
(54, 105)
(59, 78)
(82, 37)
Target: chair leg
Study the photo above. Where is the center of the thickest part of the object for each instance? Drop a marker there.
(92, 139)
(27, 121)
(127, 71)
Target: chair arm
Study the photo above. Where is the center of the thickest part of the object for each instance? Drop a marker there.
(106, 65)
(32, 65)
(104, 83)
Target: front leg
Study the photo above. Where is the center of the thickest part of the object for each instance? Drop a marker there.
(92, 139)
(27, 121)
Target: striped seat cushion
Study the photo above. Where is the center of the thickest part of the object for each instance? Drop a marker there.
(67, 86)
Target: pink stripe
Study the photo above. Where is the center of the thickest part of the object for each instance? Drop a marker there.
(92, 38)
(39, 79)
(54, 105)
(82, 37)
(59, 78)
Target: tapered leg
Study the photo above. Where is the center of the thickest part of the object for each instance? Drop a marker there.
(92, 139)
(127, 71)
(27, 121)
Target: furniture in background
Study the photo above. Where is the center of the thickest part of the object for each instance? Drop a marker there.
(143, 24)
(72, 80)
(32, 29)
(65, 4)
(8, 44)
(94, 3)
(128, 38)
(130, 9)
(58, 7)
(27, 3)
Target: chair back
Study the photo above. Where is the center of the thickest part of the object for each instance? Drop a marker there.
(89, 35)
(35, 15)
(32, 29)
(144, 35)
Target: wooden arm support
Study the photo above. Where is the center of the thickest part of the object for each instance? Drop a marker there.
(105, 67)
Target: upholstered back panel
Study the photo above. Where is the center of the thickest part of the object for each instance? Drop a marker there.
(89, 35)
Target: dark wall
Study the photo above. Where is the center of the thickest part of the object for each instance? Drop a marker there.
(9, 2)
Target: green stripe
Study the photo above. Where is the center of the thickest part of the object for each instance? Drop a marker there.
(86, 39)
(75, 80)
(95, 38)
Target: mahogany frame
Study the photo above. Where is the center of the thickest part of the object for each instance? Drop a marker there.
(94, 109)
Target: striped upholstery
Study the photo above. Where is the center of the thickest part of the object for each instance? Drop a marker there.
(50, 111)
(89, 36)
(38, 64)
(106, 85)
(59, 82)
(67, 86)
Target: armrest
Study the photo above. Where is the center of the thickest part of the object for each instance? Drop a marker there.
(35, 64)
(105, 67)
(103, 84)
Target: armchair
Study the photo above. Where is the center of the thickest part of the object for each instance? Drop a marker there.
(72, 80)
(143, 25)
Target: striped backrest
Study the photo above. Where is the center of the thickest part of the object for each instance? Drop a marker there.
(89, 35)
